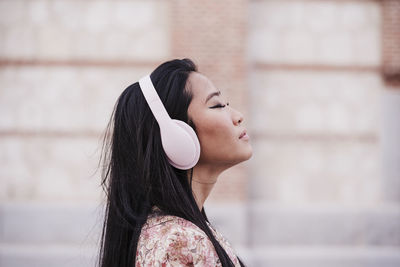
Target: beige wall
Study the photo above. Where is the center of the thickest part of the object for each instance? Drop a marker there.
(64, 63)
(315, 93)
(321, 187)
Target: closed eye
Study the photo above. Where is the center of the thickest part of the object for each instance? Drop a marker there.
(220, 106)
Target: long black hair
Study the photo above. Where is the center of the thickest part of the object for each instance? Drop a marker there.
(136, 174)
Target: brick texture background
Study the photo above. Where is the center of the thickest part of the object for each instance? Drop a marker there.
(213, 34)
(391, 41)
(316, 81)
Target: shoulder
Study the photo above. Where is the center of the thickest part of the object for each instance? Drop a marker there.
(167, 226)
(174, 240)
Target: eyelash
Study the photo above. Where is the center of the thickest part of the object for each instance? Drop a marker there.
(221, 106)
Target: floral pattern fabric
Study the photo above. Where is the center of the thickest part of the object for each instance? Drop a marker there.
(167, 241)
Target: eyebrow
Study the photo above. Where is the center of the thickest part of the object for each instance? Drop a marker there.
(212, 94)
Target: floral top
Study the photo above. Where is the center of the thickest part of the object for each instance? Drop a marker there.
(167, 240)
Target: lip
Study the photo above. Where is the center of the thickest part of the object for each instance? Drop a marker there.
(242, 134)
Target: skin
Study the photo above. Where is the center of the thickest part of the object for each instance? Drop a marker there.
(218, 130)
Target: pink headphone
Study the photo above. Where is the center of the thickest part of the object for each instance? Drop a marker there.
(179, 140)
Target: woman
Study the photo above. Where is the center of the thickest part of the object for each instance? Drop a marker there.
(154, 212)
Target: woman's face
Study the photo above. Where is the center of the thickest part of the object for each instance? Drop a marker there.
(218, 125)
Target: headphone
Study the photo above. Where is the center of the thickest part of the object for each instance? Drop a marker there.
(178, 139)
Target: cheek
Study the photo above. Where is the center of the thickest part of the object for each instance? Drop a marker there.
(215, 136)
(214, 127)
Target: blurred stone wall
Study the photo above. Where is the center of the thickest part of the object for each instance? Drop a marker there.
(213, 34)
(63, 65)
(324, 178)
(315, 89)
(322, 187)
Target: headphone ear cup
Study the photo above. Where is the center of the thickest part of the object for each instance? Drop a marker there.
(195, 139)
(181, 144)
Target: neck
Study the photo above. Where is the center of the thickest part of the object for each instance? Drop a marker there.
(203, 180)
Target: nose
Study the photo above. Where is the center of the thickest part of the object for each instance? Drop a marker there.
(238, 119)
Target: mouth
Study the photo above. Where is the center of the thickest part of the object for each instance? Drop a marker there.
(243, 134)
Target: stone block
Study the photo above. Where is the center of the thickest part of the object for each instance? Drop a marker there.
(324, 225)
(230, 219)
(329, 256)
(304, 171)
(59, 169)
(51, 223)
(84, 30)
(306, 102)
(390, 136)
(12, 255)
(315, 32)
(61, 99)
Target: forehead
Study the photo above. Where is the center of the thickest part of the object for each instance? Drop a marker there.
(200, 86)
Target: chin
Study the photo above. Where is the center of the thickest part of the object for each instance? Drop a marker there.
(245, 156)
(249, 155)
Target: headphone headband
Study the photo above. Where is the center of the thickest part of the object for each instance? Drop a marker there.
(153, 100)
(179, 140)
